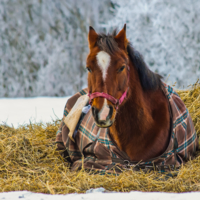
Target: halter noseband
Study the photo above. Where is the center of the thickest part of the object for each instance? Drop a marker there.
(112, 99)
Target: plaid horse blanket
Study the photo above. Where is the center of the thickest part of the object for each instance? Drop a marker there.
(94, 148)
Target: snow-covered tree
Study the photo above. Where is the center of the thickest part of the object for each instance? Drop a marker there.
(167, 33)
(44, 45)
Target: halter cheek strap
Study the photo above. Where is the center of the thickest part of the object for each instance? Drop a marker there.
(112, 99)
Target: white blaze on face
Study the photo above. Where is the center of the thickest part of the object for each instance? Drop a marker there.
(103, 60)
(104, 112)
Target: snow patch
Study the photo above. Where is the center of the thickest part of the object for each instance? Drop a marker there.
(99, 195)
(21, 111)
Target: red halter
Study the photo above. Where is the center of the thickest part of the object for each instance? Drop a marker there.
(115, 101)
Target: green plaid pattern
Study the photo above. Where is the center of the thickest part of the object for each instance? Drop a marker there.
(94, 145)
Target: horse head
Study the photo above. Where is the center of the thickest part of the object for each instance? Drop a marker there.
(108, 74)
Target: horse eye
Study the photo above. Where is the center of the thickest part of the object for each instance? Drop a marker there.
(121, 69)
(89, 70)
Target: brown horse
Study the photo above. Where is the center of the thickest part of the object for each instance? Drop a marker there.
(126, 96)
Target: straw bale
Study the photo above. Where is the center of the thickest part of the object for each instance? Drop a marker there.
(29, 161)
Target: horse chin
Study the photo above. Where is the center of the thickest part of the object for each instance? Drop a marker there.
(104, 124)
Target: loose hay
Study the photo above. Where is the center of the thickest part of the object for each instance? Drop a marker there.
(29, 161)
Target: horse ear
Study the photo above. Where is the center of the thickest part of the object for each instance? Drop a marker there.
(121, 39)
(92, 37)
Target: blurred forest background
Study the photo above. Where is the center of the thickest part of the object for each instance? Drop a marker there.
(43, 43)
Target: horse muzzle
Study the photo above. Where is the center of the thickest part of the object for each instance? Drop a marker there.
(104, 117)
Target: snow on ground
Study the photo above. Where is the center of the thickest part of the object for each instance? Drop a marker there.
(98, 195)
(15, 112)
(21, 111)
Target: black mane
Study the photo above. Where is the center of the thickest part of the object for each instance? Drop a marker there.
(149, 80)
(107, 43)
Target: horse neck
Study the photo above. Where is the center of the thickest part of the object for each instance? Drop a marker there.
(134, 118)
(130, 115)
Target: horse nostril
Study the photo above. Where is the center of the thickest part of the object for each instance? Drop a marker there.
(110, 113)
(95, 111)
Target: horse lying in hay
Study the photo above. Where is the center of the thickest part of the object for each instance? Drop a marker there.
(127, 116)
